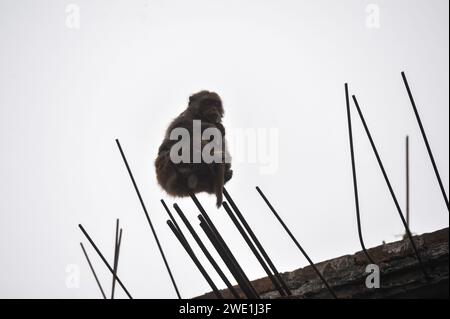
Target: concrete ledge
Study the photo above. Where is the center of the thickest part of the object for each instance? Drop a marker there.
(400, 276)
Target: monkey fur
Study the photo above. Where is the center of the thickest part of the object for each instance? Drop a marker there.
(182, 179)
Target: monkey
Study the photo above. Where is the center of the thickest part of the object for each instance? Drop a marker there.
(186, 178)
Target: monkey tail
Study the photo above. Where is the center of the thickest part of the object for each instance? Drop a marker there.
(219, 184)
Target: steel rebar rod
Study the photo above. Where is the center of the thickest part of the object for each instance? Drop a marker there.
(116, 256)
(170, 215)
(296, 242)
(104, 260)
(252, 247)
(93, 271)
(256, 241)
(222, 242)
(183, 240)
(425, 139)
(148, 220)
(407, 180)
(245, 288)
(204, 249)
(355, 181)
(194, 258)
(388, 183)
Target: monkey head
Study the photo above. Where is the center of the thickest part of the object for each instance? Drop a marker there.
(206, 106)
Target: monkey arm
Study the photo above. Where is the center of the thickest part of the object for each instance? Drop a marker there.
(218, 126)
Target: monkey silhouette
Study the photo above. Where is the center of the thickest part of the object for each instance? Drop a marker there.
(180, 179)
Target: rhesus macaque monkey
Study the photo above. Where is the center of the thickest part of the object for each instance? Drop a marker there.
(183, 178)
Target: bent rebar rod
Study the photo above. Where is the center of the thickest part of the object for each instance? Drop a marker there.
(355, 182)
(388, 183)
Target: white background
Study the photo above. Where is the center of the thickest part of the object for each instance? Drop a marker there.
(66, 94)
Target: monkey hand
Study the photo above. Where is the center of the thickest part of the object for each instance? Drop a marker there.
(228, 175)
(221, 128)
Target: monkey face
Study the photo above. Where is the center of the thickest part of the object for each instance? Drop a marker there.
(207, 106)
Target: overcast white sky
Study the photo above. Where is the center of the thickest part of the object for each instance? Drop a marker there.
(66, 94)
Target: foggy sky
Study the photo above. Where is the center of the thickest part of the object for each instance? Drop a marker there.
(66, 94)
